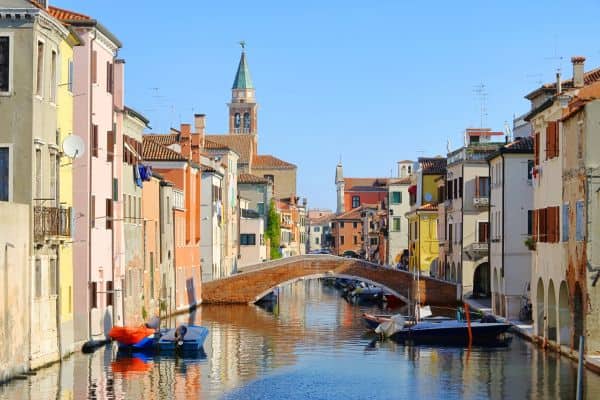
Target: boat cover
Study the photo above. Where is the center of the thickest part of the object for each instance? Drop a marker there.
(128, 335)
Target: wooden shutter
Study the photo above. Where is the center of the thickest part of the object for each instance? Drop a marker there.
(536, 148)
(535, 218)
(109, 77)
(109, 213)
(94, 67)
(543, 237)
(460, 187)
(477, 186)
(551, 225)
(110, 146)
(95, 140)
(551, 140)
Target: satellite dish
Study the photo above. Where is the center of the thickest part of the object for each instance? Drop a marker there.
(428, 196)
(73, 146)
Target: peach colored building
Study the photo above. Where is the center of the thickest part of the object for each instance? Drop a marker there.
(347, 232)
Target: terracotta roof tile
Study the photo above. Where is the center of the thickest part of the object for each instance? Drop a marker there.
(249, 178)
(400, 181)
(362, 183)
(323, 219)
(163, 139)
(62, 14)
(433, 165)
(211, 145)
(268, 161)
(241, 144)
(154, 151)
(352, 214)
(588, 78)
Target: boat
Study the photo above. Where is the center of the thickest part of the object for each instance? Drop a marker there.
(484, 332)
(183, 338)
(373, 320)
(133, 338)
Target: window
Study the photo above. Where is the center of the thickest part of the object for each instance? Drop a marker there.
(551, 140)
(374, 241)
(355, 225)
(396, 197)
(396, 224)
(93, 211)
(260, 208)
(71, 76)
(109, 77)
(530, 222)
(341, 224)
(4, 173)
(109, 213)
(482, 186)
(94, 295)
(317, 240)
(484, 231)
(110, 145)
(355, 201)
(529, 170)
(53, 173)
(248, 239)
(4, 64)
(94, 62)
(341, 240)
(110, 292)
(38, 278)
(536, 149)
(115, 189)
(40, 69)
(565, 222)
(579, 222)
(53, 78)
(38, 173)
(355, 239)
(460, 187)
(449, 190)
(317, 229)
(270, 178)
(95, 140)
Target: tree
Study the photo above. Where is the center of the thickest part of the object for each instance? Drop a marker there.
(273, 232)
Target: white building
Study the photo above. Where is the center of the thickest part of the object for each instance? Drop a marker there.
(252, 236)
(510, 216)
(399, 205)
(211, 224)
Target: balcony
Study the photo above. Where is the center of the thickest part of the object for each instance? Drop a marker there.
(51, 221)
(481, 202)
(476, 251)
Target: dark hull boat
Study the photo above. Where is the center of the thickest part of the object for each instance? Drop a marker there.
(185, 338)
(454, 333)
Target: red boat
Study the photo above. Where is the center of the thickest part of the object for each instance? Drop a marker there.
(128, 336)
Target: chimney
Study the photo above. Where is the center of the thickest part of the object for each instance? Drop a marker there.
(44, 4)
(199, 123)
(578, 62)
(558, 84)
(186, 142)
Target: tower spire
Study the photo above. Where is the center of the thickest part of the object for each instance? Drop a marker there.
(243, 108)
(242, 77)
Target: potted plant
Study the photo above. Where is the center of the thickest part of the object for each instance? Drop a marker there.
(530, 243)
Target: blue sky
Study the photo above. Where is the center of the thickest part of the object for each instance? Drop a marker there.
(372, 82)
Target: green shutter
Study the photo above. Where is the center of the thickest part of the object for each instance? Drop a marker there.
(115, 189)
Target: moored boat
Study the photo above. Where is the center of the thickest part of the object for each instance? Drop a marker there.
(184, 338)
(373, 320)
(134, 338)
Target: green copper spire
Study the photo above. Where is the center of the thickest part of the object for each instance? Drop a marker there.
(242, 77)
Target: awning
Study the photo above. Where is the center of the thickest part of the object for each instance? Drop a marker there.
(412, 189)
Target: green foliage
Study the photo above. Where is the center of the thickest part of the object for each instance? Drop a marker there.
(273, 232)
(144, 313)
(530, 243)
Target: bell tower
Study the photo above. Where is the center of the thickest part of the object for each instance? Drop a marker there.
(243, 109)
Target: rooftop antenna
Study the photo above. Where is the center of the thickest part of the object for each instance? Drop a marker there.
(448, 145)
(556, 57)
(508, 131)
(481, 92)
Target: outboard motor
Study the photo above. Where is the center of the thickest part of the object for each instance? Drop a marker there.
(180, 332)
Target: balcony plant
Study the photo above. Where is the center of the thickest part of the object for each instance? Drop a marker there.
(530, 243)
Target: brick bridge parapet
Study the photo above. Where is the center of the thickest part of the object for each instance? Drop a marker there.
(255, 281)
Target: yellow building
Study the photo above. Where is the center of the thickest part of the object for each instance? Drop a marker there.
(423, 244)
(64, 118)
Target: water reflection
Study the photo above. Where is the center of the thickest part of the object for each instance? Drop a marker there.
(312, 346)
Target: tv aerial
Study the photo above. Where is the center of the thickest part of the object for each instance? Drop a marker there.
(73, 146)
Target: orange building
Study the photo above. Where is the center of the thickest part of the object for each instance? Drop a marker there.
(183, 170)
(355, 192)
(152, 256)
(347, 232)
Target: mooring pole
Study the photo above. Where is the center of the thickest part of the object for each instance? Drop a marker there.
(580, 369)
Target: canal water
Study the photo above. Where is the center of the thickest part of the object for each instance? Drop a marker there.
(311, 346)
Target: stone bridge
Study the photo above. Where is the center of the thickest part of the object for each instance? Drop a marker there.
(256, 281)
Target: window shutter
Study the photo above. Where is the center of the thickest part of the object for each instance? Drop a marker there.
(535, 225)
(109, 213)
(580, 230)
(95, 140)
(536, 148)
(110, 146)
(94, 62)
(477, 186)
(551, 140)
(556, 137)
(565, 223)
(460, 187)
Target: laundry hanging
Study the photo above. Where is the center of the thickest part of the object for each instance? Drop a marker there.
(136, 176)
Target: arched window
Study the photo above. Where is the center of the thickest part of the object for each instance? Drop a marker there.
(237, 121)
(246, 122)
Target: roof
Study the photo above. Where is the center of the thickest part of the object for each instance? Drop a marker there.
(211, 145)
(163, 139)
(352, 214)
(241, 144)
(588, 78)
(364, 183)
(584, 96)
(62, 14)
(249, 178)
(268, 161)
(154, 151)
(323, 219)
(400, 181)
(405, 161)
(433, 165)
(137, 115)
(242, 77)
(521, 145)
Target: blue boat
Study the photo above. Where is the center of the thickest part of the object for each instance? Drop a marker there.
(184, 338)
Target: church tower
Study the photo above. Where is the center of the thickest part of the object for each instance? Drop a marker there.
(243, 109)
(339, 185)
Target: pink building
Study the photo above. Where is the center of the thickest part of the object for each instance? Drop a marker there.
(98, 88)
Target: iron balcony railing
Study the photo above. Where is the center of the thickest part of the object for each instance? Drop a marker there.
(51, 221)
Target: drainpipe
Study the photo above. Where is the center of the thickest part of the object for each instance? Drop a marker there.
(89, 247)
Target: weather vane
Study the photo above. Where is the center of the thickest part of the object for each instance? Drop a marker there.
(243, 44)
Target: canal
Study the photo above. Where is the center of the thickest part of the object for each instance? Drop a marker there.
(312, 346)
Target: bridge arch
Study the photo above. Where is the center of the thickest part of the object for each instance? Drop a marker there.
(404, 298)
(256, 281)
